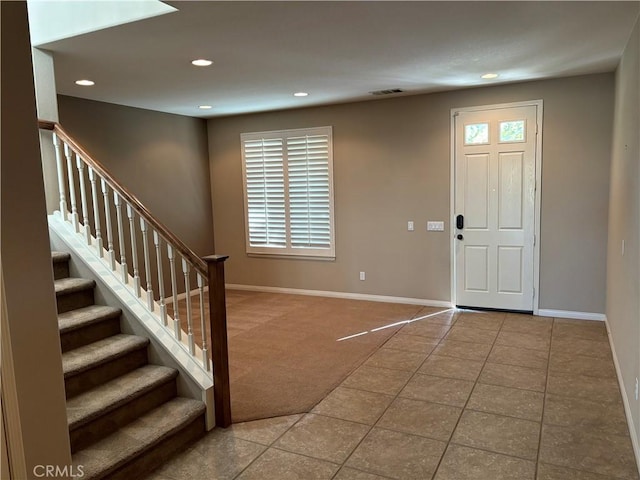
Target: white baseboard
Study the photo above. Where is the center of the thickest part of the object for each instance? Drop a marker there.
(351, 296)
(601, 317)
(635, 441)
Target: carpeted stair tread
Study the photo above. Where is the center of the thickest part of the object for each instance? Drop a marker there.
(123, 414)
(65, 286)
(89, 356)
(60, 264)
(60, 257)
(111, 395)
(113, 452)
(81, 317)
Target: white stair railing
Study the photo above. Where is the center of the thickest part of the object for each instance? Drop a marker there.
(168, 298)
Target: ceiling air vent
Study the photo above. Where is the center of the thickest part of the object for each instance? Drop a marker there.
(389, 91)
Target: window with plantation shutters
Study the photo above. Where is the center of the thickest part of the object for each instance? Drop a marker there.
(288, 185)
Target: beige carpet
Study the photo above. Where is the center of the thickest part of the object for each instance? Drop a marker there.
(286, 352)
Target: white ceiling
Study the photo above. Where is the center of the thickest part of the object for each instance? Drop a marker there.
(51, 20)
(340, 51)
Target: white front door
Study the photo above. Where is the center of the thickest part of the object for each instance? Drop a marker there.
(494, 207)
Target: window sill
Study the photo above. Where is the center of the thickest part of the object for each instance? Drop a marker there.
(290, 256)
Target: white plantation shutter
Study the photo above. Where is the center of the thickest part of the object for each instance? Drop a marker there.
(288, 179)
(264, 177)
(309, 194)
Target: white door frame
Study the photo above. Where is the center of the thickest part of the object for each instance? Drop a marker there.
(538, 192)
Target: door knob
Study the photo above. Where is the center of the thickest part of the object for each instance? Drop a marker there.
(459, 236)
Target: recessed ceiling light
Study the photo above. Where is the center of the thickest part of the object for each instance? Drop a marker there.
(300, 94)
(201, 62)
(489, 76)
(205, 107)
(85, 83)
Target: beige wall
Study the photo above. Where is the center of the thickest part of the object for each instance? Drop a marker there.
(623, 282)
(161, 158)
(392, 164)
(31, 324)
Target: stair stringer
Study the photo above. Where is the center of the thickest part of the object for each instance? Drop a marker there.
(193, 381)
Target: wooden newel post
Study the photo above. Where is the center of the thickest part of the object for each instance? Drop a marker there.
(218, 329)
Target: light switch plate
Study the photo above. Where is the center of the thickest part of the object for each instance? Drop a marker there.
(410, 225)
(435, 226)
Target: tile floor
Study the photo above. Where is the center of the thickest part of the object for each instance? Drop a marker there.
(454, 396)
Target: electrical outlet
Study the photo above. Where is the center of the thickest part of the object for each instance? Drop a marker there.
(362, 276)
(410, 225)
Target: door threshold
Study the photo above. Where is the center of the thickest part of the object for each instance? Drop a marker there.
(488, 309)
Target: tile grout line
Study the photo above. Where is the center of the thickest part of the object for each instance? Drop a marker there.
(396, 396)
(268, 446)
(572, 468)
(553, 339)
(544, 398)
(340, 466)
(517, 388)
(461, 379)
(368, 357)
(416, 372)
(475, 383)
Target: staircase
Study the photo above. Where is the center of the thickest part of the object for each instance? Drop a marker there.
(124, 414)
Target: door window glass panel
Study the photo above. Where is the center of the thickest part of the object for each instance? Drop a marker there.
(512, 131)
(476, 134)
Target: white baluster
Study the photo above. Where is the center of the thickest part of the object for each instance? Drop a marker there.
(163, 308)
(205, 349)
(107, 219)
(174, 291)
(96, 211)
(60, 168)
(134, 251)
(83, 200)
(147, 267)
(123, 253)
(68, 153)
(185, 270)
